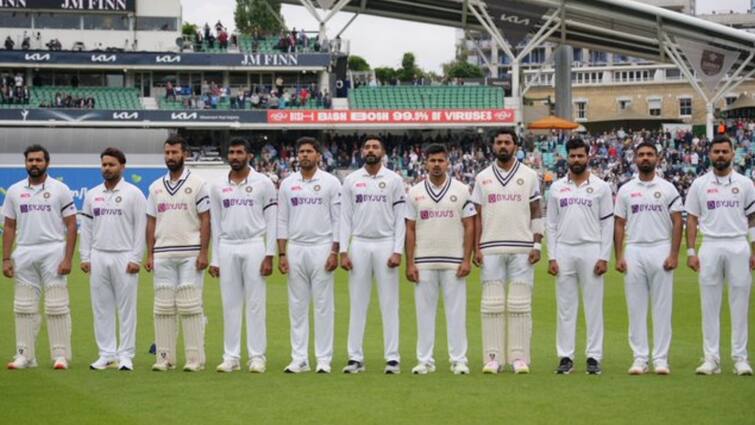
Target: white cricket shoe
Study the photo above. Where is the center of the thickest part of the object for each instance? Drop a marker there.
(21, 362)
(103, 363)
(392, 367)
(193, 366)
(423, 369)
(297, 367)
(661, 368)
(492, 367)
(709, 367)
(459, 368)
(639, 367)
(742, 368)
(228, 366)
(126, 365)
(60, 363)
(520, 367)
(162, 365)
(322, 367)
(354, 366)
(257, 365)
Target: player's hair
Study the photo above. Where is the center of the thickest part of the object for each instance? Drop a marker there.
(509, 131)
(37, 148)
(721, 138)
(369, 137)
(646, 144)
(435, 148)
(576, 143)
(115, 153)
(240, 141)
(311, 141)
(176, 139)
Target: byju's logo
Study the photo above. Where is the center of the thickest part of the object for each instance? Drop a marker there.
(104, 58)
(184, 116)
(37, 57)
(125, 115)
(168, 59)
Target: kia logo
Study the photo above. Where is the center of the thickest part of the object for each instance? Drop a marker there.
(168, 59)
(104, 58)
(183, 116)
(37, 57)
(514, 19)
(125, 115)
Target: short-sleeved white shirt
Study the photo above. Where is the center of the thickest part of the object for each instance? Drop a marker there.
(647, 208)
(722, 204)
(39, 211)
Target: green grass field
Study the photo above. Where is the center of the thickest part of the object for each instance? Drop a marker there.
(82, 396)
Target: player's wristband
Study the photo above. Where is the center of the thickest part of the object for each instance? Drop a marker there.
(537, 246)
(691, 252)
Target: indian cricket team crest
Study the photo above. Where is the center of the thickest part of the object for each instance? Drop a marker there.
(657, 195)
(590, 190)
(46, 195)
(381, 185)
(317, 188)
(249, 189)
(188, 191)
(735, 190)
(454, 198)
(520, 182)
(118, 199)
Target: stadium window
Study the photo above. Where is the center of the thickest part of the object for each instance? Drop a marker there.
(15, 20)
(156, 24)
(673, 74)
(577, 52)
(44, 78)
(160, 79)
(91, 79)
(115, 80)
(685, 106)
(654, 106)
(216, 77)
(238, 79)
(730, 99)
(63, 78)
(581, 109)
(60, 21)
(624, 104)
(107, 22)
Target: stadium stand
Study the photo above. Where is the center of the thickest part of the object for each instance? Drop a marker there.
(71, 97)
(426, 97)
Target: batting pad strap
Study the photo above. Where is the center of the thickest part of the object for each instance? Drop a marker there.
(520, 298)
(537, 225)
(25, 299)
(189, 300)
(493, 300)
(56, 300)
(165, 301)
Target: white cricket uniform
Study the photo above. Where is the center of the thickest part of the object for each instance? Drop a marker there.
(437, 212)
(504, 198)
(722, 205)
(647, 208)
(372, 218)
(308, 220)
(39, 212)
(579, 227)
(112, 235)
(243, 233)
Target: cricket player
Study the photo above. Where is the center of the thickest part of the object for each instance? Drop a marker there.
(439, 242)
(580, 233)
(113, 225)
(648, 215)
(372, 219)
(722, 203)
(308, 205)
(243, 210)
(178, 238)
(509, 230)
(41, 212)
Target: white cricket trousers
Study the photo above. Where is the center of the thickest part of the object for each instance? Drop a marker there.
(370, 258)
(576, 264)
(646, 279)
(308, 280)
(426, 294)
(114, 295)
(242, 284)
(725, 259)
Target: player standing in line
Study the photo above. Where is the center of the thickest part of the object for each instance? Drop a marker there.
(113, 226)
(722, 203)
(509, 230)
(243, 210)
(439, 243)
(40, 211)
(178, 237)
(580, 233)
(649, 209)
(308, 205)
(372, 219)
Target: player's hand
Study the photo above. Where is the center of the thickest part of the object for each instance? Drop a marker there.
(132, 268)
(215, 271)
(283, 264)
(534, 256)
(464, 268)
(65, 267)
(601, 267)
(149, 264)
(8, 269)
(332, 263)
(346, 262)
(553, 268)
(693, 262)
(412, 273)
(266, 269)
(202, 262)
(85, 267)
(671, 263)
(621, 265)
(478, 258)
(394, 261)
(752, 262)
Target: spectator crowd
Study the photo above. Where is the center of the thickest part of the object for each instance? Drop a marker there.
(258, 96)
(13, 90)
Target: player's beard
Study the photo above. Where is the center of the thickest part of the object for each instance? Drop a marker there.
(721, 165)
(237, 165)
(504, 156)
(646, 167)
(577, 168)
(175, 165)
(111, 176)
(35, 171)
(306, 164)
(372, 159)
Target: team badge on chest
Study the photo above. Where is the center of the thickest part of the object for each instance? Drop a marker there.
(590, 190)
(317, 188)
(381, 185)
(188, 191)
(249, 189)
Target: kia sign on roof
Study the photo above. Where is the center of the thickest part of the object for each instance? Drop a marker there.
(515, 19)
